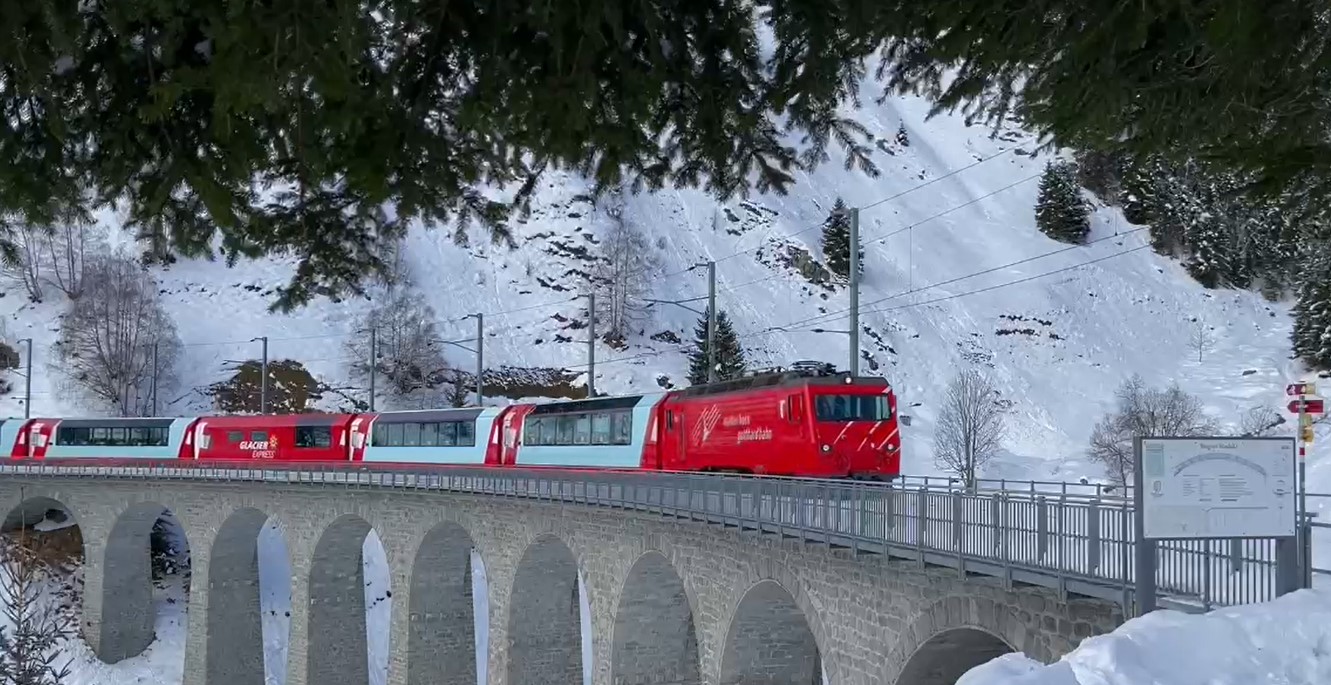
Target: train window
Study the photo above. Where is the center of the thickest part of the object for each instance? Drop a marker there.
(531, 431)
(567, 425)
(852, 408)
(582, 431)
(601, 429)
(411, 435)
(394, 434)
(314, 436)
(623, 428)
(448, 434)
(100, 436)
(466, 433)
(75, 436)
(430, 434)
(235, 437)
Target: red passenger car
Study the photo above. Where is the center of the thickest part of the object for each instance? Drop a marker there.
(821, 425)
(292, 437)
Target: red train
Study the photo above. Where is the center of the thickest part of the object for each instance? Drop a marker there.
(808, 421)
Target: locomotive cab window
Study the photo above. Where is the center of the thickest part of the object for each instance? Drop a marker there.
(314, 436)
(852, 408)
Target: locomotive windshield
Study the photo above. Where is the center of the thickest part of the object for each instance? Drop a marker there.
(852, 408)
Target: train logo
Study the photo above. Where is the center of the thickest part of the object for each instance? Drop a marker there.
(707, 421)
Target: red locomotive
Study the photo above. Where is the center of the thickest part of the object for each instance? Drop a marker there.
(808, 421)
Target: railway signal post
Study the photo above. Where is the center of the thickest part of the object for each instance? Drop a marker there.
(1305, 406)
(854, 243)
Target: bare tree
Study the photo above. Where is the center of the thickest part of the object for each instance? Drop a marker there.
(1201, 338)
(970, 426)
(1259, 420)
(459, 390)
(409, 357)
(23, 265)
(65, 250)
(622, 276)
(29, 647)
(1144, 411)
(117, 345)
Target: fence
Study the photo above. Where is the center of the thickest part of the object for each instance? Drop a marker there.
(1073, 543)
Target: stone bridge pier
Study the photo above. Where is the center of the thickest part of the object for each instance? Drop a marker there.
(672, 602)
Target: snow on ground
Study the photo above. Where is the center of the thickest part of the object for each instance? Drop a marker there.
(1283, 642)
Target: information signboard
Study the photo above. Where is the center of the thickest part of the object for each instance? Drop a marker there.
(1216, 487)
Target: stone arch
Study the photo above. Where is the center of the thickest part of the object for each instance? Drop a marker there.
(770, 640)
(127, 580)
(957, 633)
(654, 639)
(544, 617)
(235, 625)
(943, 658)
(49, 529)
(338, 645)
(442, 632)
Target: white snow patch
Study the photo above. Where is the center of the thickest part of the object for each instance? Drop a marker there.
(1286, 641)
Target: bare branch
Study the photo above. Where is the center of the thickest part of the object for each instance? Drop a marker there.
(410, 357)
(25, 265)
(1259, 420)
(970, 426)
(622, 276)
(1144, 411)
(108, 337)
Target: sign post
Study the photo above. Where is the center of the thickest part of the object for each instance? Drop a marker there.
(1214, 488)
(1305, 407)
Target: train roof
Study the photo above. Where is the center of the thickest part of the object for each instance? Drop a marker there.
(283, 420)
(782, 379)
(118, 421)
(431, 415)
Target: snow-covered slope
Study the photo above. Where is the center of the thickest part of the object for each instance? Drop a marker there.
(956, 274)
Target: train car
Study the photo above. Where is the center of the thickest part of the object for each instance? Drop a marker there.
(603, 433)
(432, 436)
(102, 438)
(285, 438)
(807, 422)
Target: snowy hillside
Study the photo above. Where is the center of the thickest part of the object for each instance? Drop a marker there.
(955, 274)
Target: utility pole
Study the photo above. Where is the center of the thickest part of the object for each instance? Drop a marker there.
(154, 384)
(711, 322)
(854, 291)
(591, 345)
(263, 375)
(374, 362)
(27, 380)
(480, 359)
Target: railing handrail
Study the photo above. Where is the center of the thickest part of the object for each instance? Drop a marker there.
(1073, 543)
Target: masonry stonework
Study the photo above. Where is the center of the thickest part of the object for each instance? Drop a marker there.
(671, 602)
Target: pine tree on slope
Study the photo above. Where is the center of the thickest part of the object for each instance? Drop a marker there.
(1312, 313)
(729, 355)
(1060, 212)
(836, 241)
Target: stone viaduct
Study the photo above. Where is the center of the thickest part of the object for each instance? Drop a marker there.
(672, 602)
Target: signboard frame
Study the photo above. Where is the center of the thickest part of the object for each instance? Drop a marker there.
(1287, 558)
(1143, 502)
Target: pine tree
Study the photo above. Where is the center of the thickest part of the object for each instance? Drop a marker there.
(1312, 312)
(903, 139)
(836, 241)
(1060, 211)
(729, 355)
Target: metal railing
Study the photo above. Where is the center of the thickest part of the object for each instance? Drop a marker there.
(1074, 543)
